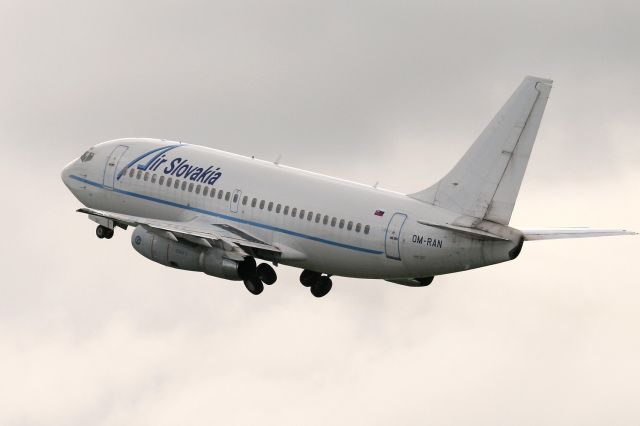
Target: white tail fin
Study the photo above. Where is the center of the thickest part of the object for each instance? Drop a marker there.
(486, 181)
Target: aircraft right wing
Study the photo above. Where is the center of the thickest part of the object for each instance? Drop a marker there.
(560, 233)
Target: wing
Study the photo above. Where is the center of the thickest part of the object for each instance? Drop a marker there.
(236, 242)
(559, 233)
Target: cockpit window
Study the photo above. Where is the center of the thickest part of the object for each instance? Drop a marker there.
(87, 156)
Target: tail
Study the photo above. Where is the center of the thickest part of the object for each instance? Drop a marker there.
(486, 181)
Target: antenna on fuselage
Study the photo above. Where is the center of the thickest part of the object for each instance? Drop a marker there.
(277, 162)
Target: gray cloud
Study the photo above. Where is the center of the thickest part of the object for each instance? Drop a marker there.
(92, 333)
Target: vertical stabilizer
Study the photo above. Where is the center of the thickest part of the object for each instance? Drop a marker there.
(486, 181)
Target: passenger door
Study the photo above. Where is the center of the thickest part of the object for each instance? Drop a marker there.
(392, 236)
(109, 177)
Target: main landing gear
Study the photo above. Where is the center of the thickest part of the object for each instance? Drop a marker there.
(255, 277)
(104, 232)
(319, 284)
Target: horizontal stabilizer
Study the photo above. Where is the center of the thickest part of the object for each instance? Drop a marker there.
(469, 232)
(560, 233)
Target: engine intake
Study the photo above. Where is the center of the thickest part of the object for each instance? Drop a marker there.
(189, 256)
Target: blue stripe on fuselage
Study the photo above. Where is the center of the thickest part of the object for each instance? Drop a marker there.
(231, 218)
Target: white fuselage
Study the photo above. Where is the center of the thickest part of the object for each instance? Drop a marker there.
(339, 227)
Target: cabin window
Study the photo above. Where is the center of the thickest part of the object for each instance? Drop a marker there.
(318, 216)
(278, 208)
(190, 187)
(286, 210)
(244, 200)
(349, 226)
(161, 180)
(198, 189)
(184, 185)
(309, 216)
(294, 211)
(212, 193)
(205, 191)
(301, 215)
(333, 222)
(254, 202)
(366, 229)
(131, 172)
(341, 225)
(325, 220)
(358, 227)
(220, 194)
(176, 184)
(270, 206)
(146, 176)
(169, 180)
(261, 204)
(139, 175)
(153, 178)
(235, 198)
(227, 196)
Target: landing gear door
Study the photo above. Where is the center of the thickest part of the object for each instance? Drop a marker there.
(235, 200)
(392, 236)
(110, 168)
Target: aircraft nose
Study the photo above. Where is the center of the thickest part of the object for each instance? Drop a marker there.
(67, 171)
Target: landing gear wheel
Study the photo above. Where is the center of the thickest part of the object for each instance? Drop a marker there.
(109, 234)
(254, 285)
(266, 273)
(102, 232)
(321, 287)
(307, 278)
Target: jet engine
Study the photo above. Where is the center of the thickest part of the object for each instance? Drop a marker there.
(189, 256)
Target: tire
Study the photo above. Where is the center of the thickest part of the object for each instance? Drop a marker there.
(109, 234)
(307, 278)
(254, 285)
(266, 273)
(321, 287)
(101, 232)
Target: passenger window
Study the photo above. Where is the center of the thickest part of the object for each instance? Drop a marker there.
(286, 210)
(146, 176)
(139, 175)
(198, 189)
(227, 196)
(184, 185)
(153, 178)
(212, 193)
(349, 226)
(235, 198)
(325, 220)
(366, 229)
(261, 204)
(301, 214)
(176, 184)
(309, 216)
(161, 180)
(190, 186)
(254, 202)
(318, 216)
(270, 206)
(205, 191)
(294, 211)
(358, 226)
(278, 208)
(169, 181)
(244, 200)
(341, 225)
(333, 221)
(220, 194)
(131, 172)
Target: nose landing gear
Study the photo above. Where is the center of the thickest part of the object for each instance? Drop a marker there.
(104, 232)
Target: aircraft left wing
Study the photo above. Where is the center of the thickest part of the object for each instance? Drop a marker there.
(236, 242)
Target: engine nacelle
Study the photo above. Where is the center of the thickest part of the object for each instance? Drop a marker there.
(192, 257)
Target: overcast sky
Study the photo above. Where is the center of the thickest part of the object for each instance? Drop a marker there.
(92, 333)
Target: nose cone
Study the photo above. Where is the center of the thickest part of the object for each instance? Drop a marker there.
(67, 172)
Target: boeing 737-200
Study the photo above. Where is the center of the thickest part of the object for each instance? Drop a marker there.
(202, 209)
